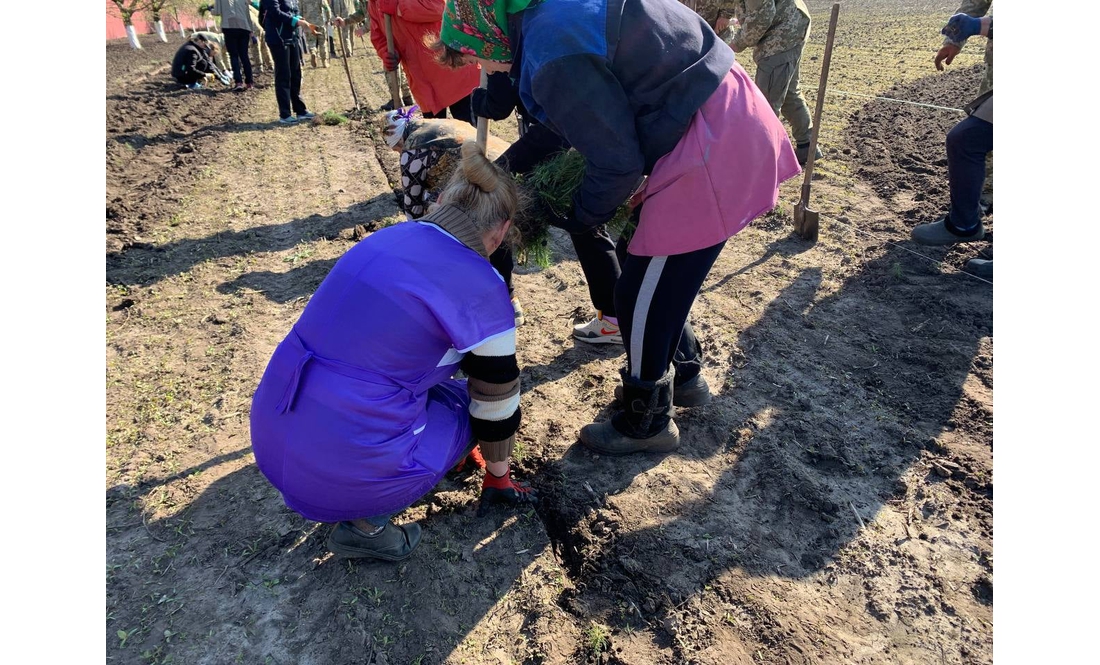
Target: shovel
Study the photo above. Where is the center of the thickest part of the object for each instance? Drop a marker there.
(347, 70)
(391, 77)
(806, 220)
(483, 123)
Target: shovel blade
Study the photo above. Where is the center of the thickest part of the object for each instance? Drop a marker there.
(806, 222)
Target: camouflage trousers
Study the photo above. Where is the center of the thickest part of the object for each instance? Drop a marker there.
(987, 84)
(317, 48)
(777, 78)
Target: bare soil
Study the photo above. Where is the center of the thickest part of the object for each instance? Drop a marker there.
(833, 505)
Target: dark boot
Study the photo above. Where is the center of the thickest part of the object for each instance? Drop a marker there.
(644, 425)
(393, 543)
(802, 153)
(693, 392)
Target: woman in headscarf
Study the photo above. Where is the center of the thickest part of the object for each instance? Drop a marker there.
(640, 88)
(429, 150)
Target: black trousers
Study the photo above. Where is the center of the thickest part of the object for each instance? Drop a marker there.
(460, 110)
(535, 146)
(188, 77)
(287, 56)
(654, 297)
(504, 262)
(236, 43)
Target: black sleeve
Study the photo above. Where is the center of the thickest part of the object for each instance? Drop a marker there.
(499, 99)
(584, 100)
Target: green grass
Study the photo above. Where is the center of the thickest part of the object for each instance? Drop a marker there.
(331, 117)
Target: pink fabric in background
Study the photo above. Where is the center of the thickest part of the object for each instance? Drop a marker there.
(724, 172)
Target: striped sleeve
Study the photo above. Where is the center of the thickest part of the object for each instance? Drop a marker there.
(493, 384)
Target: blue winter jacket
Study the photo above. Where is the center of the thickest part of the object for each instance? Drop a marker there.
(620, 80)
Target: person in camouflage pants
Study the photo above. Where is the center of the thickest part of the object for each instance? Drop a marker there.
(344, 9)
(776, 30)
(947, 53)
(318, 13)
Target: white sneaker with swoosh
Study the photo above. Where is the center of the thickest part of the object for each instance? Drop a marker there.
(598, 331)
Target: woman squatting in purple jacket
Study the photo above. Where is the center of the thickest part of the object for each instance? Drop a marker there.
(357, 415)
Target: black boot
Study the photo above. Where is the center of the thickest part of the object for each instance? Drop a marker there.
(645, 423)
(392, 543)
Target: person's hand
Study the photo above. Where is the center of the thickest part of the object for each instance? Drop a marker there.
(961, 27)
(570, 224)
(309, 26)
(506, 491)
(390, 61)
(721, 24)
(388, 7)
(339, 21)
(946, 55)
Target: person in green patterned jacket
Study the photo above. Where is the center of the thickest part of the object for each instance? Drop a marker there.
(776, 31)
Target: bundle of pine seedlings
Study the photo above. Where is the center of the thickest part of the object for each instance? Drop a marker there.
(549, 191)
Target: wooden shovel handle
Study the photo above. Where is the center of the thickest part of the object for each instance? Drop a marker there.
(820, 102)
(391, 77)
(347, 70)
(483, 123)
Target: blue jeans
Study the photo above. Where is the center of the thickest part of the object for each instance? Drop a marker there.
(967, 145)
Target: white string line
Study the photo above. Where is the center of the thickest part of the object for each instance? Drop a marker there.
(902, 247)
(896, 101)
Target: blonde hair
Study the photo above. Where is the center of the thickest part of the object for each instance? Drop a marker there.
(481, 189)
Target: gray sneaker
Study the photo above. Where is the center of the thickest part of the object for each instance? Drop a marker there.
(289, 120)
(980, 268)
(937, 233)
(305, 116)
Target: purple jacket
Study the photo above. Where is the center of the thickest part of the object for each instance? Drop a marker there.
(355, 416)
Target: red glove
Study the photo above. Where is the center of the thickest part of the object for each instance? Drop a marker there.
(505, 490)
(390, 60)
(474, 458)
(388, 7)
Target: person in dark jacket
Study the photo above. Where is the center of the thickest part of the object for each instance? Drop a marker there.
(685, 115)
(281, 20)
(536, 144)
(193, 61)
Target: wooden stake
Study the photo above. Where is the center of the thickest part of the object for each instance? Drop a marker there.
(483, 123)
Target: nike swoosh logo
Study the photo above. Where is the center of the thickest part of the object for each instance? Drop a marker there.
(605, 331)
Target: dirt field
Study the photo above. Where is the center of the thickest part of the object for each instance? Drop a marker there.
(833, 505)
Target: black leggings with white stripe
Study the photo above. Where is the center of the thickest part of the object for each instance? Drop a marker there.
(653, 298)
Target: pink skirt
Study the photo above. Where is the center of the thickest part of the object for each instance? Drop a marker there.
(724, 173)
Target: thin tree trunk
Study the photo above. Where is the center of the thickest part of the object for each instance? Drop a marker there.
(160, 32)
(131, 34)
